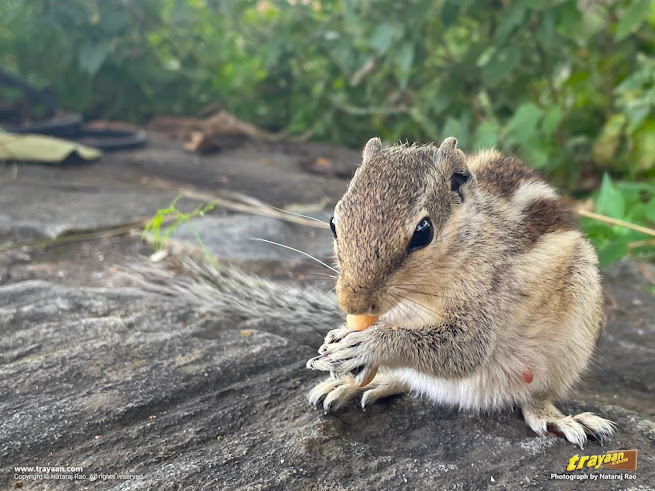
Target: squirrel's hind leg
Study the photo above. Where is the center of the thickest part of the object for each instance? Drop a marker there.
(335, 392)
(543, 415)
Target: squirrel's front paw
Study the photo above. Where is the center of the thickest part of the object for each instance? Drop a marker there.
(345, 352)
(333, 337)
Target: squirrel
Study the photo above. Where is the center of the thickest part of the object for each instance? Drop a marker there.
(489, 295)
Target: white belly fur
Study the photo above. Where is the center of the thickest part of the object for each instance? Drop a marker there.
(486, 390)
(464, 393)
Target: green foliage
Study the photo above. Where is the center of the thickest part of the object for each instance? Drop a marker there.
(630, 202)
(568, 85)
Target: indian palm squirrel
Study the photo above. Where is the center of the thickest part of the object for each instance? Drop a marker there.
(489, 296)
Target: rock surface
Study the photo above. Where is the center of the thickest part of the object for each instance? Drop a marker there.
(103, 375)
(233, 237)
(48, 200)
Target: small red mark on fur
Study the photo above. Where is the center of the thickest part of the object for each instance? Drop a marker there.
(528, 377)
(553, 432)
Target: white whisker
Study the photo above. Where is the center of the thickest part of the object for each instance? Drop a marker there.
(404, 306)
(298, 251)
(301, 216)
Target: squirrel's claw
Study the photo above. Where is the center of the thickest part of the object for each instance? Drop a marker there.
(347, 355)
(336, 363)
(311, 362)
(334, 393)
(334, 336)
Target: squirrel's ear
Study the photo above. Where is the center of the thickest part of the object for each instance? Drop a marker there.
(453, 161)
(372, 148)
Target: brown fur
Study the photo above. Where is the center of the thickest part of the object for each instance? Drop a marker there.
(504, 174)
(545, 216)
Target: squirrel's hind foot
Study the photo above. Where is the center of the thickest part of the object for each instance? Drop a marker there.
(543, 416)
(335, 392)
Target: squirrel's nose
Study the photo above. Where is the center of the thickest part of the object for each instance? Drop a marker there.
(356, 300)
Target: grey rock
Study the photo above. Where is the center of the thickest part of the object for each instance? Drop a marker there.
(234, 237)
(124, 380)
(124, 187)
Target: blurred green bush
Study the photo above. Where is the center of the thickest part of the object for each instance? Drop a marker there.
(569, 85)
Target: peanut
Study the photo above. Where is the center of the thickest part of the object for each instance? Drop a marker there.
(359, 323)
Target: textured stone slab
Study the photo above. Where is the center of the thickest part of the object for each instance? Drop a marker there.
(122, 381)
(233, 237)
(47, 200)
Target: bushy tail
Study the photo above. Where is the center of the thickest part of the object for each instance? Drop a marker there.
(262, 304)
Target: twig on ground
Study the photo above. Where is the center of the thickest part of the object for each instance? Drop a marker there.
(78, 236)
(238, 202)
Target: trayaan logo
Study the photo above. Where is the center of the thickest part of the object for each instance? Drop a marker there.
(619, 460)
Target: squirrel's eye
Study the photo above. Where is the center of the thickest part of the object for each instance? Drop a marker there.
(422, 235)
(333, 228)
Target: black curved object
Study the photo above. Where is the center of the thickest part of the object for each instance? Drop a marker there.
(63, 126)
(111, 139)
(69, 126)
(46, 99)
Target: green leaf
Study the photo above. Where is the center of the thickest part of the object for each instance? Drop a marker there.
(597, 231)
(424, 121)
(485, 136)
(643, 151)
(631, 19)
(610, 201)
(512, 19)
(645, 187)
(546, 32)
(502, 62)
(535, 152)
(636, 212)
(440, 102)
(536, 4)
(649, 212)
(449, 12)
(551, 121)
(611, 251)
(606, 145)
(523, 125)
(350, 16)
(636, 115)
(458, 129)
(404, 61)
(568, 16)
(91, 56)
(638, 79)
(381, 38)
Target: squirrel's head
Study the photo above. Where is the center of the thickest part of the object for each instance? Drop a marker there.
(392, 216)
